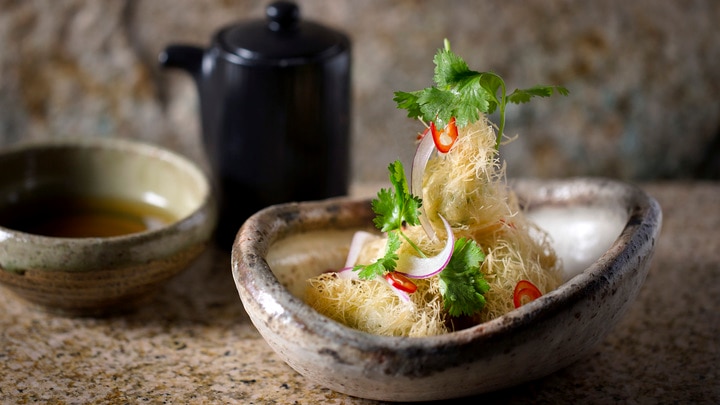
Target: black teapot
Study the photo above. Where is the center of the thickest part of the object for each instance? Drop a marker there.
(275, 111)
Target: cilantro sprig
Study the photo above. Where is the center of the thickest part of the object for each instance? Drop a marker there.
(399, 207)
(464, 93)
(384, 264)
(394, 209)
(462, 284)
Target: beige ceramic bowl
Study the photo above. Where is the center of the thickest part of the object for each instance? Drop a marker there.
(101, 275)
(604, 231)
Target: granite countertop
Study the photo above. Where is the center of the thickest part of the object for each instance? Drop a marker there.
(194, 343)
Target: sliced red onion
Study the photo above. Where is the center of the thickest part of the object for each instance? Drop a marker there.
(358, 241)
(347, 273)
(422, 155)
(420, 267)
(424, 267)
(400, 293)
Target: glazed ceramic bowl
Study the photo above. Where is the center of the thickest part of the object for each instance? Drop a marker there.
(98, 275)
(604, 231)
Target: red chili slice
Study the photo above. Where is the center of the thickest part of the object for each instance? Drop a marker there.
(422, 134)
(525, 292)
(399, 281)
(445, 139)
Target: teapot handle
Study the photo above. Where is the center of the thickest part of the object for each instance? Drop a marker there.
(186, 57)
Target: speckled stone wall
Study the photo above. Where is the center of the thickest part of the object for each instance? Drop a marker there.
(644, 75)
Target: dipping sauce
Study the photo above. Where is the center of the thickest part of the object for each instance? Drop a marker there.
(83, 216)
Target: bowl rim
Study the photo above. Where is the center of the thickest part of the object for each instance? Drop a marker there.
(252, 273)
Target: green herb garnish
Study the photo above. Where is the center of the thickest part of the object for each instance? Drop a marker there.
(461, 282)
(384, 264)
(463, 93)
(394, 209)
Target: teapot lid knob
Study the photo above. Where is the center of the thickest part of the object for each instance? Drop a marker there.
(281, 39)
(282, 15)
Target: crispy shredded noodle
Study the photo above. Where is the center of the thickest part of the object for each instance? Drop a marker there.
(467, 186)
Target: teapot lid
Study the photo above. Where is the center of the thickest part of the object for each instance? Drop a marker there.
(281, 40)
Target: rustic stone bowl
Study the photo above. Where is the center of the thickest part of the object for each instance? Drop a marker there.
(84, 276)
(604, 231)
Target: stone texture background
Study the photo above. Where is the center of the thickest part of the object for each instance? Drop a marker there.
(644, 76)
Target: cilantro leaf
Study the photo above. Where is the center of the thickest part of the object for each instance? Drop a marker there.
(464, 93)
(408, 101)
(523, 96)
(461, 282)
(395, 208)
(384, 264)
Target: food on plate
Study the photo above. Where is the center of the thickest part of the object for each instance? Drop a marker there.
(453, 247)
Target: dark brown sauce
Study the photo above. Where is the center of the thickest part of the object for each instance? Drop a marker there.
(84, 217)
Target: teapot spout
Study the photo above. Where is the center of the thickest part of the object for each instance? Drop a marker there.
(186, 57)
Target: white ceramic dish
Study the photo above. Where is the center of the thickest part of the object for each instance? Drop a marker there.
(605, 232)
